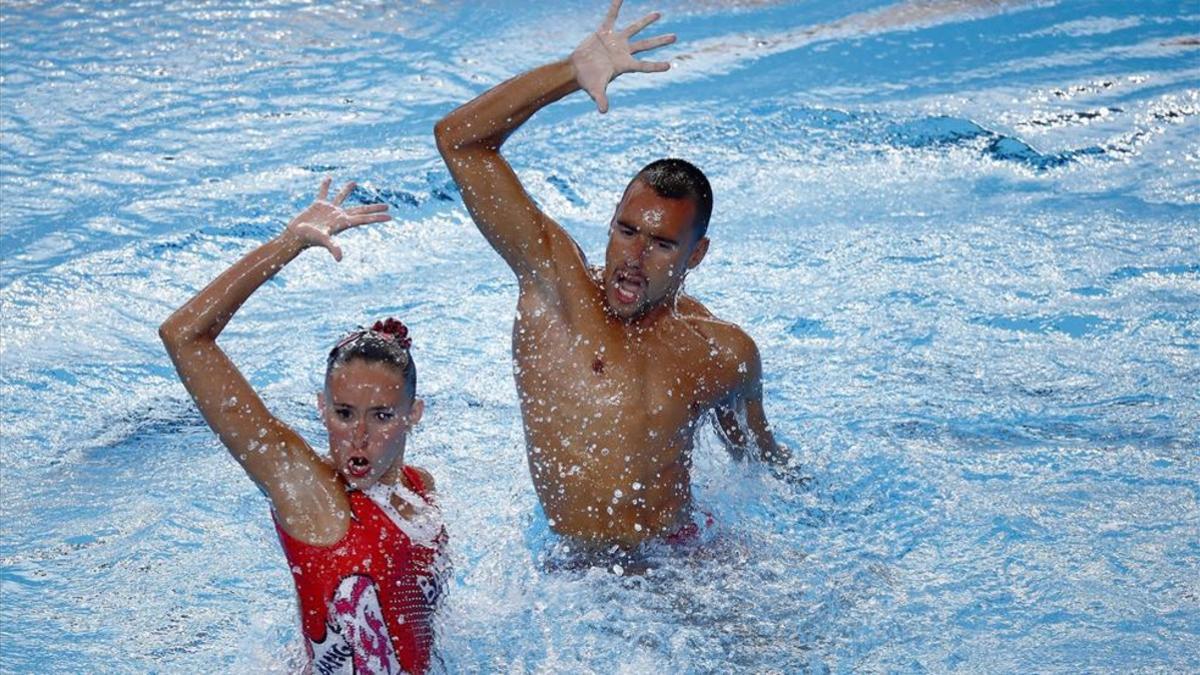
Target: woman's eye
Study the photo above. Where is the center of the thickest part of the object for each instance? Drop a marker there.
(384, 416)
(665, 245)
(342, 414)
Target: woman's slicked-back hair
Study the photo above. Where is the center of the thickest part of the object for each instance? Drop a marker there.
(385, 342)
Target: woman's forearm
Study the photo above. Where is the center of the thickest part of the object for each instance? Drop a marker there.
(205, 315)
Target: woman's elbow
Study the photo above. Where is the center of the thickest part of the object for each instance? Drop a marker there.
(172, 332)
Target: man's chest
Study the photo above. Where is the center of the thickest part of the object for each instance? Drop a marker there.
(663, 379)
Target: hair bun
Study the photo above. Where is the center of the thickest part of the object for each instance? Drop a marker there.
(393, 329)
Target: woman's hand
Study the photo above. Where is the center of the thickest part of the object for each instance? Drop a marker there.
(606, 54)
(316, 225)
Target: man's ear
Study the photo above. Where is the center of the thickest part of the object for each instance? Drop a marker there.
(321, 404)
(698, 252)
(415, 412)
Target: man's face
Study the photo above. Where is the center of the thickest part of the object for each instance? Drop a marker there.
(650, 247)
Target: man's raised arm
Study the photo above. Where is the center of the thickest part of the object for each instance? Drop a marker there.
(470, 138)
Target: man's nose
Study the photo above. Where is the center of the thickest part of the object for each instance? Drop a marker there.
(640, 246)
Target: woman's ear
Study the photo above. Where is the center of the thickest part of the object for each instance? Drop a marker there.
(415, 412)
(321, 405)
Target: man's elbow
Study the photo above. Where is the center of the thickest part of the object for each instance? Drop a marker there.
(456, 140)
(445, 136)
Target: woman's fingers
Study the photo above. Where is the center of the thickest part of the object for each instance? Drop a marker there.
(367, 218)
(320, 237)
(323, 192)
(367, 208)
(346, 191)
(334, 250)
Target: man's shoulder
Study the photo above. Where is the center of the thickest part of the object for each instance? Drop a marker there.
(726, 335)
(690, 308)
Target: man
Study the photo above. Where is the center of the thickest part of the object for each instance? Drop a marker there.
(616, 367)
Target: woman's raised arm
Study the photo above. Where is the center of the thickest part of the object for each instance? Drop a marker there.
(273, 455)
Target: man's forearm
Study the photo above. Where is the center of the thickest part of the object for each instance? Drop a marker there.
(488, 120)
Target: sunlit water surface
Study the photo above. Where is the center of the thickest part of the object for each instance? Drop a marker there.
(964, 235)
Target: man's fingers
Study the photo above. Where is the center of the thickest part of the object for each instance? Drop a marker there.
(601, 101)
(323, 193)
(346, 190)
(651, 43)
(637, 26)
(653, 66)
(610, 20)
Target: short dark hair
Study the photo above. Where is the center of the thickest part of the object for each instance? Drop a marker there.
(377, 345)
(675, 179)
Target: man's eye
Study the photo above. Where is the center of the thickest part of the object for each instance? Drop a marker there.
(384, 416)
(627, 231)
(342, 413)
(666, 245)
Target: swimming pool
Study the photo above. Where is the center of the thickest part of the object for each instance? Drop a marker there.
(964, 235)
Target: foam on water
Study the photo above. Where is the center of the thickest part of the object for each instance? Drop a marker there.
(964, 236)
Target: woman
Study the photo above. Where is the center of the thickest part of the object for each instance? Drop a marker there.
(360, 531)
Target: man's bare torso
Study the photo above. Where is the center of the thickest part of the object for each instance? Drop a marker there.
(614, 373)
(610, 410)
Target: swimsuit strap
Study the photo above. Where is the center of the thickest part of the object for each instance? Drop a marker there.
(414, 478)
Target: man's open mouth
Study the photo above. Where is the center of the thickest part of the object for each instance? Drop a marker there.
(628, 287)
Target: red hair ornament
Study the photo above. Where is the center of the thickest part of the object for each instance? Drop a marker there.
(393, 329)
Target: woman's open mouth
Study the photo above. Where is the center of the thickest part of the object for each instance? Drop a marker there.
(358, 466)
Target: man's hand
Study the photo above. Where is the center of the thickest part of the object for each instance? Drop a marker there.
(605, 54)
(316, 225)
(785, 467)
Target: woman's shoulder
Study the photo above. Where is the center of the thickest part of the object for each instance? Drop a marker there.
(421, 479)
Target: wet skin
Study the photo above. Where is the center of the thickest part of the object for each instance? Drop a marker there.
(611, 389)
(365, 406)
(614, 368)
(368, 414)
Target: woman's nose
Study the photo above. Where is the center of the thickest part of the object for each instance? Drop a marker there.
(360, 430)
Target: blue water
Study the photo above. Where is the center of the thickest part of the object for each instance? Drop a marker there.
(964, 235)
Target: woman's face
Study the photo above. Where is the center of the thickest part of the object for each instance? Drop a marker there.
(368, 414)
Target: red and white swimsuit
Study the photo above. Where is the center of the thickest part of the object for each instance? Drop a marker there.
(366, 602)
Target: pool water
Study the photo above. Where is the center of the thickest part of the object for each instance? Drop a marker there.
(964, 235)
